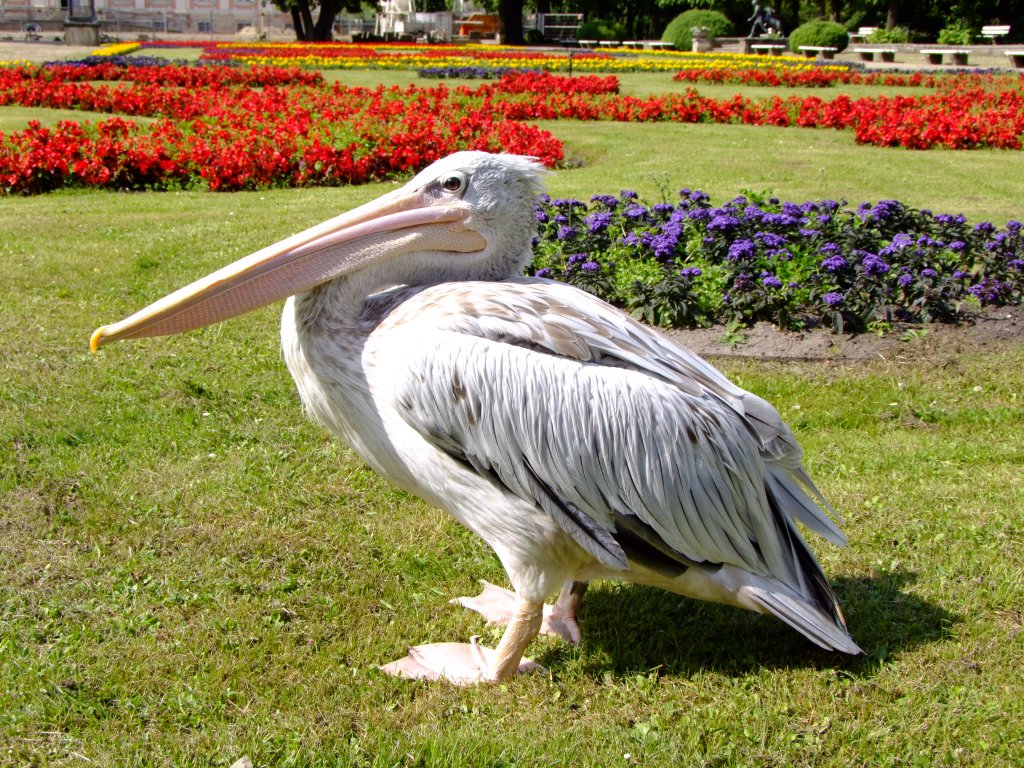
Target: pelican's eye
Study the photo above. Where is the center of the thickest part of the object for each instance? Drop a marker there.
(453, 184)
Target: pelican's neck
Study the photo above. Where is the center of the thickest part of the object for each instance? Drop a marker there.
(343, 301)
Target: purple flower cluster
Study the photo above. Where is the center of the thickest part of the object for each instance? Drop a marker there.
(472, 73)
(694, 263)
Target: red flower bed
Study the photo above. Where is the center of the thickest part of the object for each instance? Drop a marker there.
(545, 82)
(792, 77)
(966, 112)
(191, 77)
(208, 127)
(228, 137)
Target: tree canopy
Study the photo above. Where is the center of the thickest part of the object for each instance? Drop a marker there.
(647, 19)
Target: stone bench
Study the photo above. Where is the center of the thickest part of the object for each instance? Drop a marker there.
(868, 54)
(1016, 58)
(992, 31)
(774, 49)
(956, 56)
(825, 51)
(862, 34)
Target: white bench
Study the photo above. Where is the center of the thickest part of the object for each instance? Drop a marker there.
(862, 34)
(957, 56)
(587, 43)
(825, 51)
(992, 31)
(659, 45)
(1016, 58)
(868, 54)
(775, 49)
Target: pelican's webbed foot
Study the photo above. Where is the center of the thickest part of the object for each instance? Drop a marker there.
(458, 663)
(465, 664)
(496, 604)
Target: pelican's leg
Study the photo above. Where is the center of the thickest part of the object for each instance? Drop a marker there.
(560, 619)
(468, 663)
(496, 604)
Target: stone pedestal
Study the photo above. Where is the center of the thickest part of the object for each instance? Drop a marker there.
(701, 41)
(82, 33)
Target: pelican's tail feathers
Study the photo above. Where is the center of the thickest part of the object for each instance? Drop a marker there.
(792, 492)
(808, 620)
(826, 629)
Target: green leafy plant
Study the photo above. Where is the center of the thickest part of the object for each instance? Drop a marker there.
(678, 30)
(598, 29)
(956, 32)
(894, 35)
(825, 33)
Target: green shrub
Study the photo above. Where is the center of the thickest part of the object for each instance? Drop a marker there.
(894, 35)
(957, 32)
(597, 29)
(678, 30)
(825, 33)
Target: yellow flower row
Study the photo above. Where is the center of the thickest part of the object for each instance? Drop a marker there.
(413, 57)
(117, 49)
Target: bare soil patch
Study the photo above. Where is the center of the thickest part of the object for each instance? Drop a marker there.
(39, 51)
(990, 330)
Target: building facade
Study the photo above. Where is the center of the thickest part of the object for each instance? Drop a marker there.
(133, 17)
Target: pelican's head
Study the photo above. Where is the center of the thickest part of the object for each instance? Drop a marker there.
(467, 216)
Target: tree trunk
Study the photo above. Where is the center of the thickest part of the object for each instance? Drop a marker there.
(303, 19)
(893, 15)
(511, 13)
(300, 33)
(323, 32)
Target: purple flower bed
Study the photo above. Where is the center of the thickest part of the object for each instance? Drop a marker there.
(473, 73)
(123, 61)
(793, 264)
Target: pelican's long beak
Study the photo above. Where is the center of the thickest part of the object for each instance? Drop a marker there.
(402, 221)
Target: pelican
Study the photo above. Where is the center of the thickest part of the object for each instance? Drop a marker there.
(576, 442)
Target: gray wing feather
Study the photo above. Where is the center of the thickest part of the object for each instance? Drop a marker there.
(595, 418)
(588, 443)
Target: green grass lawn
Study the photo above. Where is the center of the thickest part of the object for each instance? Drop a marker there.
(190, 571)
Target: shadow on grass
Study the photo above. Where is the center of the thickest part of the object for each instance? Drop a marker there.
(629, 629)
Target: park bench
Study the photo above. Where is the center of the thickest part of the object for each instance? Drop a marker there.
(587, 43)
(775, 49)
(825, 51)
(868, 54)
(992, 31)
(659, 45)
(862, 34)
(1016, 58)
(956, 56)
(32, 32)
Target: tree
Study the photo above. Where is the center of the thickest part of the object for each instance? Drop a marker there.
(511, 14)
(307, 30)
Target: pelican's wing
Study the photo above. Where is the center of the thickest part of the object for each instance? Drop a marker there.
(613, 431)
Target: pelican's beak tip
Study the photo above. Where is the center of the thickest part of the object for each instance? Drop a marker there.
(97, 339)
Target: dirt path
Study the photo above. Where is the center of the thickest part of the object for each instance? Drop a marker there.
(991, 330)
(38, 52)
